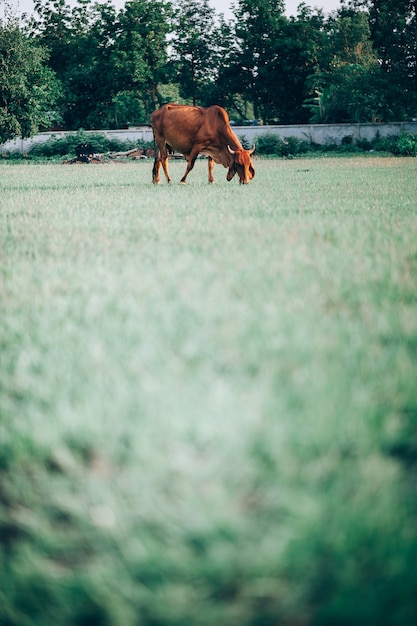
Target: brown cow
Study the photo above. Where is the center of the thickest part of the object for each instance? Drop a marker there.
(193, 131)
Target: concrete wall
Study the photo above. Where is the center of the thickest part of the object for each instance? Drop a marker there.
(318, 133)
(327, 133)
(140, 134)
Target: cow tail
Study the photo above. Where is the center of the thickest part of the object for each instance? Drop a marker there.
(154, 143)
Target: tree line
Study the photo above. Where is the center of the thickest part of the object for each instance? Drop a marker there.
(88, 65)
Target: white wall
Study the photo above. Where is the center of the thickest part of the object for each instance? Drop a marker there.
(318, 133)
(327, 133)
(139, 134)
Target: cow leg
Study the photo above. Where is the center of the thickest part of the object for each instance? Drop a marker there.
(164, 160)
(210, 170)
(161, 158)
(155, 172)
(190, 164)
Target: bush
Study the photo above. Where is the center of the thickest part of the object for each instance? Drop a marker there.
(270, 144)
(406, 145)
(293, 146)
(364, 144)
(383, 144)
(274, 145)
(347, 140)
(245, 143)
(66, 146)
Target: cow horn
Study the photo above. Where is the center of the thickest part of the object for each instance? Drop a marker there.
(252, 150)
(230, 149)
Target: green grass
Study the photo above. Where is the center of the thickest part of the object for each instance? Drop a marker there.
(208, 395)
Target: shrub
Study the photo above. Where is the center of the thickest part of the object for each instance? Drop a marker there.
(364, 144)
(267, 144)
(405, 145)
(383, 144)
(271, 144)
(274, 145)
(347, 140)
(293, 146)
(62, 147)
(245, 143)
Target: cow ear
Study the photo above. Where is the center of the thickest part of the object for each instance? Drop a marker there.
(252, 171)
(230, 173)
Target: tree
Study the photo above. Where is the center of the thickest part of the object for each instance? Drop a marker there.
(192, 47)
(345, 83)
(259, 26)
(89, 75)
(393, 31)
(51, 29)
(80, 41)
(272, 59)
(28, 89)
(141, 50)
(358, 64)
(297, 55)
(109, 63)
(215, 90)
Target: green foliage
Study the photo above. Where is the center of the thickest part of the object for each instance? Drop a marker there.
(110, 64)
(128, 109)
(259, 29)
(393, 30)
(403, 145)
(200, 433)
(344, 89)
(66, 146)
(268, 144)
(28, 89)
(245, 143)
(141, 55)
(367, 69)
(356, 64)
(406, 145)
(383, 144)
(348, 95)
(271, 144)
(192, 46)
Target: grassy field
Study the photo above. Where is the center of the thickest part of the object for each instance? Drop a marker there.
(208, 395)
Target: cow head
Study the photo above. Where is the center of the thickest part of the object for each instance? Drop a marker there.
(242, 164)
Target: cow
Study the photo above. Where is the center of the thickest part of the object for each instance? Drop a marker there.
(193, 130)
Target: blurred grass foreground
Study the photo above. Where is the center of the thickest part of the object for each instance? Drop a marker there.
(208, 396)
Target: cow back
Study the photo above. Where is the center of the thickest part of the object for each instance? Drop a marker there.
(185, 127)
